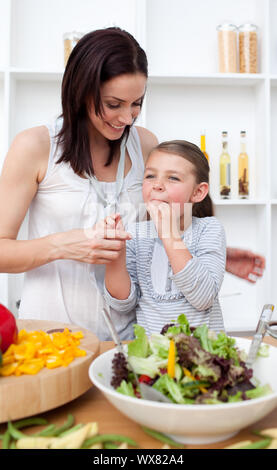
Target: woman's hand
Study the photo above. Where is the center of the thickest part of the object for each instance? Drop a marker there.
(245, 264)
(101, 244)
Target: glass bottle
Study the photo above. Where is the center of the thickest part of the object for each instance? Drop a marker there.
(203, 144)
(243, 168)
(225, 169)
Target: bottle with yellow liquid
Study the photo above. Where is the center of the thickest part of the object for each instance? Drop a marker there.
(225, 169)
(243, 168)
(203, 145)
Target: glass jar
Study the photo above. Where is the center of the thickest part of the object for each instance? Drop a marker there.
(69, 41)
(227, 47)
(248, 48)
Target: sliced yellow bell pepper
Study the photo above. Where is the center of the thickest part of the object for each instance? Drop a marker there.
(189, 374)
(37, 349)
(171, 359)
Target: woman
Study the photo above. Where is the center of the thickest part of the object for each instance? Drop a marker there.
(66, 172)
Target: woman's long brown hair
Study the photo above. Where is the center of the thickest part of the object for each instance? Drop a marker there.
(193, 154)
(98, 57)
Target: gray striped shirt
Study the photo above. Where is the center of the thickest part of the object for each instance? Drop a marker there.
(192, 291)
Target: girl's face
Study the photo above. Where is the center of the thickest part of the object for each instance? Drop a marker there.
(170, 179)
(121, 99)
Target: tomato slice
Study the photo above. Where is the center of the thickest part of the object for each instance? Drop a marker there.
(145, 378)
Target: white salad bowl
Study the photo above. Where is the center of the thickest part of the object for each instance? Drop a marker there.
(192, 424)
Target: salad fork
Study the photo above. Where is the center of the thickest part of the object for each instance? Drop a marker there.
(146, 391)
(263, 327)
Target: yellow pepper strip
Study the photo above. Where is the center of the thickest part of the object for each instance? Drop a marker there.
(171, 359)
(9, 369)
(37, 349)
(31, 367)
(189, 374)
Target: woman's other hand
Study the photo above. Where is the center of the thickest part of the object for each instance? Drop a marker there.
(245, 264)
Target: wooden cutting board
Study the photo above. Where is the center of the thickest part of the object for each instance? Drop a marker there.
(28, 395)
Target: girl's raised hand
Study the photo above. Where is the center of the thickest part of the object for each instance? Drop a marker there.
(166, 219)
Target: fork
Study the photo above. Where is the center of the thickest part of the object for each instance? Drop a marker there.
(146, 391)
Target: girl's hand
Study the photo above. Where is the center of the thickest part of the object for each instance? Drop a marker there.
(100, 245)
(114, 224)
(166, 219)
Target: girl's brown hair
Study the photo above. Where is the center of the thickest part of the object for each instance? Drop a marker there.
(98, 57)
(193, 154)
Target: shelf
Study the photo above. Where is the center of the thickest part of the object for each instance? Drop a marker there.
(38, 75)
(240, 202)
(273, 80)
(233, 79)
(194, 79)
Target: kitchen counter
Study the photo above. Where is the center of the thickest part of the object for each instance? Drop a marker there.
(93, 406)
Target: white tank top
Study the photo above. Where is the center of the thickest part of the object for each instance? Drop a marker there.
(70, 291)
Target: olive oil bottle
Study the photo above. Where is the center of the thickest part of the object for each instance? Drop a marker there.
(203, 145)
(225, 169)
(243, 168)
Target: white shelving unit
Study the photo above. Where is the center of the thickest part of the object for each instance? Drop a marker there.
(185, 94)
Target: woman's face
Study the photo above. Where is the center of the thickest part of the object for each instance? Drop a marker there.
(121, 99)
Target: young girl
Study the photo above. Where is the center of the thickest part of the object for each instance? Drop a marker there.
(175, 262)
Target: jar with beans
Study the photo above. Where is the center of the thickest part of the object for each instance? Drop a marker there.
(248, 48)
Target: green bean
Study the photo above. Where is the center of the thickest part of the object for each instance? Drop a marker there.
(6, 440)
(258, 445)
(13, 445)
(14, 432)
(24, 423)
(48, 431)
(73, 429)
(261, 434)
(110, 445)
(107, 438)
(161, 437)
(67, 424)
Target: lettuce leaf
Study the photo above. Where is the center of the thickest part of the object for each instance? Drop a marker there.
(126, 388)
(171, 389)
(159, 345)
(259, 391)
(263, 350)
(182, 326)
(150, 365)
(202, 333)
(139, 347)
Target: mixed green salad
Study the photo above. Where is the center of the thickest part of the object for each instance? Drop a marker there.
(188, 365)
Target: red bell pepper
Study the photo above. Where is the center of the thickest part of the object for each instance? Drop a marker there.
(8, 328)
(145, 378)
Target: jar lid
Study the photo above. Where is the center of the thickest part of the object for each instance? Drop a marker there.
(226, 27)
(73, 35)
(248, 27)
